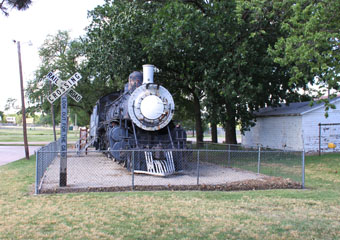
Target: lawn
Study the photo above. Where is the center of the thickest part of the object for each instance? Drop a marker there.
(33, 135)
(312, 213)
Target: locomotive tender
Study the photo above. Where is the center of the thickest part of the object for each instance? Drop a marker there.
(140, 117)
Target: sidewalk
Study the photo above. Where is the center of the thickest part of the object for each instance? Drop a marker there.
(30, 143)
(13, 153)
(22, 143)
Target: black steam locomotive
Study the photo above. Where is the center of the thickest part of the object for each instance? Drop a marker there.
(140, 117)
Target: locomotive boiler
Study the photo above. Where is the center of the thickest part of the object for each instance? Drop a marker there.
(140, 118)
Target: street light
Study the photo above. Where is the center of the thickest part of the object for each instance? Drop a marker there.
(27, 155)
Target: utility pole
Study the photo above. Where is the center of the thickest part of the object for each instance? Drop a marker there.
(23, 103)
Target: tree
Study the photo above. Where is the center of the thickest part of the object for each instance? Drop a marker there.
(178, 43)
(242, 74)
(114, 41)
(2, 116)
(184, 114)
(311, 47)
(65, 57)
(11, 104)
(17, 4)
(168, 34)
(215, 54)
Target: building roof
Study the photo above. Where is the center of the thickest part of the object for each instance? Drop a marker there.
(293, 109)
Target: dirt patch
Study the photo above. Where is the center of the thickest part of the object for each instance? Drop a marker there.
(264, 183)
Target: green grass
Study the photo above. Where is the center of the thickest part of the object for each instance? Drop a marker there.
(33, 135)
(273, 214)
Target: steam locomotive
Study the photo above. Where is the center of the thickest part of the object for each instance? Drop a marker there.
(139, 118)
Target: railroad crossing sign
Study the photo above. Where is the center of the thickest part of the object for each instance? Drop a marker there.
(63, 87)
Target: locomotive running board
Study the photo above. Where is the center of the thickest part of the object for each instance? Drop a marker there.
(159, 167)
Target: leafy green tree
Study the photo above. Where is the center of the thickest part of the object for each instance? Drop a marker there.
(114, 41)
(215, 54)
(178, 44)
(46, 119)
(184, 114)
(311, 47)
(17, 4)
(124, 35)
(211, 53)
(243, 77)
(63, 56)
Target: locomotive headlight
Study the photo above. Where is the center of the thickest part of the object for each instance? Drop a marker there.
(151, 107)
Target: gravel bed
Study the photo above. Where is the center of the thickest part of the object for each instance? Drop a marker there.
(95, 172)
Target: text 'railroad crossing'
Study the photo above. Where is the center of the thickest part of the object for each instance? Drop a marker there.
(63, 87)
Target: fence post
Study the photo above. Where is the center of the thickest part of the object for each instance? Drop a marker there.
(133, 170)
(41, 164)
(303, 169)
(319, 139)
(259, 160)
(198, 167)
(36, 172)
(206, 153)
(228, 163)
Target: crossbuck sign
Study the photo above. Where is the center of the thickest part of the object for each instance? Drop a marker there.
(63, 87)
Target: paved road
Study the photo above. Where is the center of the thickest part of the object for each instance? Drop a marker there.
(12, 153)
(22, 143)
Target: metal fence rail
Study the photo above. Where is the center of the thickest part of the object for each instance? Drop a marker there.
(142, 168)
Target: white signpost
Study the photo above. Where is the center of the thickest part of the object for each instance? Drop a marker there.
(63, 88)
(63, 143)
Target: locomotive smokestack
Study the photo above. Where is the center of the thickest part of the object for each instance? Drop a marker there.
(148, 70)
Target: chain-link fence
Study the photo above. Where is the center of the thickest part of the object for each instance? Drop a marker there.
(173, 169)
(44, 157)
(272, 162)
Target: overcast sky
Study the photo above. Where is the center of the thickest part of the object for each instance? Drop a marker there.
(44, 17)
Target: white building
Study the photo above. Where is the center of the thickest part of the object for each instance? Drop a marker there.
(295, 127)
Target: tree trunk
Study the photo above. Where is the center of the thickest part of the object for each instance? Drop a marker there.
(230, 134)
(198, 119)
(230, 127)
(213, 132)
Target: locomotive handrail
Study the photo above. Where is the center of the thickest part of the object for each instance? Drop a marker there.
(88, 142)
(118, 98)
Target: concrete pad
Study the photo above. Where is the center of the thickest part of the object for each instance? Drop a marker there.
(12, 153)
